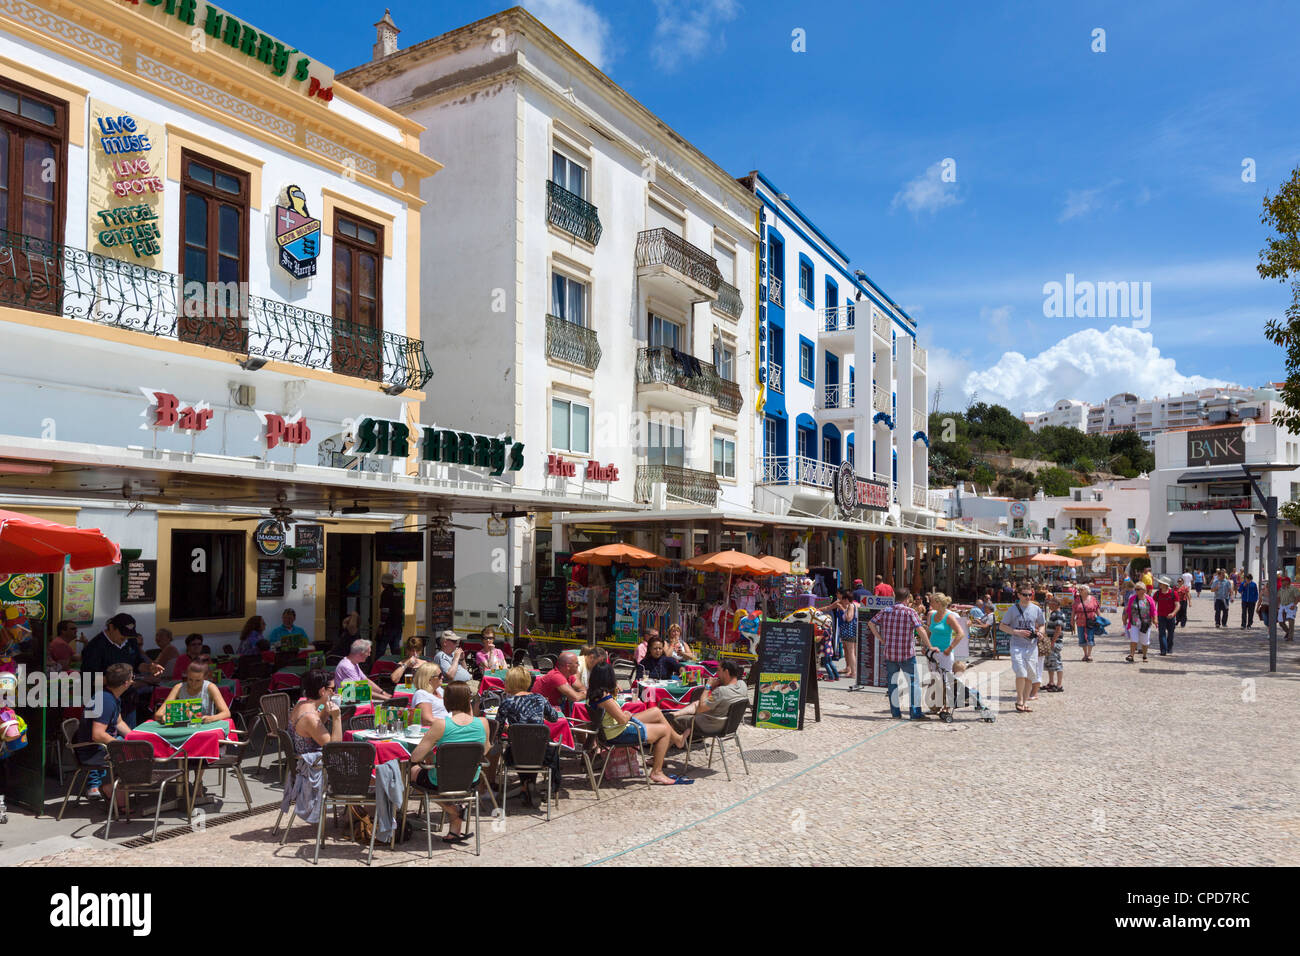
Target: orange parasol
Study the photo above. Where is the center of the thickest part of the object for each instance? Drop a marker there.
(33, 546)
(778, 565)
(1045, 558)
(624, 554)
(730, 562)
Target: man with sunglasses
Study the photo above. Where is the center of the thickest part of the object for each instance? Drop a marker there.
(1024, 621)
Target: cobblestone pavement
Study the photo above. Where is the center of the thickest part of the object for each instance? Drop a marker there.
(1186, 760)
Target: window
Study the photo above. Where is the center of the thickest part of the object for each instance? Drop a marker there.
(214, 250)
(33, 153)
(568, 299)
(1051, 524)
(805, 361)
(664, 333)
(850, 455)
(776, 260)
(832, 296)
(1132, 523)
(358, 281)
(724, 359)
(207, 579)
(724, 457)
(807, 441)
(569, 174)
(1083, 524)
(771, 438)
(1175, 495)
(570, 426)
(667, 446)
(805, 279)
(726, 259)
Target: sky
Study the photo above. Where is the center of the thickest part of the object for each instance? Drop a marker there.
(965, 156)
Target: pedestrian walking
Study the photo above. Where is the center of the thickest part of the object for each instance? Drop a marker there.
(1249, 591)
(897, 628)
(1184, 592)
(1058, 625)
(1139, 614)
(1086, 609)
(1222, 588)
(947, 632)
(1198, 580)
(1166, 600)
(1024, 621)
(1262, 609)
(1288, 597)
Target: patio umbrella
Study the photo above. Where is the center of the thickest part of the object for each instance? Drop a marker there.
(1110, 549)
(778, 565)
(32, 546)
(624, 554)
(1046, 558)
(731, 562)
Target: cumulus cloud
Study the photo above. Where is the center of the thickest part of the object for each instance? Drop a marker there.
(945, 373)
(927, 192)
(577, 24)
(688, 28)
(1089, 364)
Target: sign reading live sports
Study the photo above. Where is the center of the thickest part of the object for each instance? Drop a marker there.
(1216, 446)
(124, 185)
(209, 29)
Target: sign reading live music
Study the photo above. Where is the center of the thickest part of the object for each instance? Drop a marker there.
(1216, 446)
(124, 185)
(558, 467)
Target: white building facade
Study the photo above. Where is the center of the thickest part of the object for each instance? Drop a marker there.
(1067, 413)
(1151, 416)
(1117, 510)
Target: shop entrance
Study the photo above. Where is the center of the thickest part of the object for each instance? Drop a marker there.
(351, 582)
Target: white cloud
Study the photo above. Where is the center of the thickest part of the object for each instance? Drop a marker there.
(927, 192)
(577, 24)
(946, 369)
(1090, 364)
(687, 28)
(1080, 202)
(997, 321)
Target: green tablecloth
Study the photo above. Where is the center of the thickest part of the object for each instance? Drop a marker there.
(178, 735)
(299, 669)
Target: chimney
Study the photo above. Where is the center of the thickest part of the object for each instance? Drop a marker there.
(385, 38)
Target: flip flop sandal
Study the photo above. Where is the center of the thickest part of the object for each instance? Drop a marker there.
(1129, 658)
(1021, 709)
(457, 837)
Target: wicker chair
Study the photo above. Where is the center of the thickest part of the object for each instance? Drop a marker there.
(528, 746)
(361, 722)
(248, 704)
(544, 662)
(290, 770)
(81, 776)
(232, 753)
(274, 717)
(134, 770)
(348, 768)
(730, 731)
(609, 748)
(457, 767)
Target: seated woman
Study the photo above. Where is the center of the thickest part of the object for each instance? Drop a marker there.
(617, 726)
(412, 658)
(196, 686)
(490, 658)
(167, 651)
(315, 720)
(677, 646)
(460, 727)
(250, 635)
(428, 696)
(589, 657)
(522, 706)
(656, 664)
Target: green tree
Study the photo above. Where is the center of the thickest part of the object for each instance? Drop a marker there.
(1129, 444)
(1081, 539)
(1055, 481)
(1085, 465)
(1280, 260)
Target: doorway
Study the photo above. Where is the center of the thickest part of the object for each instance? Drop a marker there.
(350, 582)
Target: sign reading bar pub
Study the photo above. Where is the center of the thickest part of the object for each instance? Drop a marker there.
(1216, 446)
(388, 439)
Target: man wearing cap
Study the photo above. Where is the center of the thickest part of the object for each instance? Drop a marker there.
(450, 657)
(1166, 599)
(118, 643)
(392, 611)
(859, 592)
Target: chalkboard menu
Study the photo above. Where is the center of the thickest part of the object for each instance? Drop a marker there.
(552, 602)
(785, 675)
(442, 610)
(139, 582)
(442, 580)
(310, 537)
(270, 578)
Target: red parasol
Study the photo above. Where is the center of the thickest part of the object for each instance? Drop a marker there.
(32, 546)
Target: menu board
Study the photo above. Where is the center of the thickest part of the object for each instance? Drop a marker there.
(442, 610)
(1001, 639)
(270, 578)
(442, 560)
(139, 582)
(78, 596)
(30, 593)
(552, 602)
(187, 710)
(311, 538)
(785, 672)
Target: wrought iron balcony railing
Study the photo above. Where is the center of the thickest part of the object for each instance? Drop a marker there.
(840, 318)
(839, 395)
(55, 279)
(683, 484)
(729, 301)
(774, 292)
(661, 247)
(667, 366)
(570, 342)
(572, 213)
(776, 378)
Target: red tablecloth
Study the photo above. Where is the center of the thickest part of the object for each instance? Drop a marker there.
(205, 744)
(228, 667)
(283, 681)
(581, 716)
(561, 732)
(383, 667)
(491, 683)
(385, 750)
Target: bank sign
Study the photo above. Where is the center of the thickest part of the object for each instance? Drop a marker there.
(389, 439)
(1216, 446)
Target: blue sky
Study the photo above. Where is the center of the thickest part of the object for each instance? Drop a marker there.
(1123, 165)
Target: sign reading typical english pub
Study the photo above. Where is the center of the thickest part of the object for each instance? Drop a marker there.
(297, 234)
(124, 185)
(212, 30)
(1216, 446)
(377, 436)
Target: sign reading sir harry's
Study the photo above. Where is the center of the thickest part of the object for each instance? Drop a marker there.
(375, 436)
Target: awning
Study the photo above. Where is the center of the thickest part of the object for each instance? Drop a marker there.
(1087, 507)
(1219, 474)
(1202, 537)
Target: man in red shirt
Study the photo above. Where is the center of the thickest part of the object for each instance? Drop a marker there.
(560, 684)
(883, 589)
(1166, 599)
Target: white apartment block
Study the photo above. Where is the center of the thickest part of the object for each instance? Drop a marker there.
(1117, 510)
(1149, 417)
(1067, 413)
(589, 283)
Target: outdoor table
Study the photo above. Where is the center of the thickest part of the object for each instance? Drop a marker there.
(561, 730)
(630, 705)
(201, 741)
(288, 676)
(387, 746)
(490, 682)
(668, 695)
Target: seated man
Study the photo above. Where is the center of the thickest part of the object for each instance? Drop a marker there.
(103, 724)
(560, 684)
(709, 712)
(656, 664)
(287, 628)
(451, 658)
(350, 669)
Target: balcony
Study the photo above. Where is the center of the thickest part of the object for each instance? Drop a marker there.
(918, 359)
(729, 301)
(569, 342)
(881, 399)
(797, 470)
(920, 496)
(1235, 503)
(667, 261)
(55, 279)
(919, 423)
(776, 378)
(572, 213)
(678, 379)
(835, 401)
(880, 325)
(774, 291)
(681, 484)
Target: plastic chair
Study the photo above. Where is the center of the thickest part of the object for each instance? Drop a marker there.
(348, 769)
(68, 728)
(730, 731)
(230, 760)
(133, 769)
(625, 673)
(457, 769)
(528, 746)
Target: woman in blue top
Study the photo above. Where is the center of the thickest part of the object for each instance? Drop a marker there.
(460, 727)
(946, 633)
